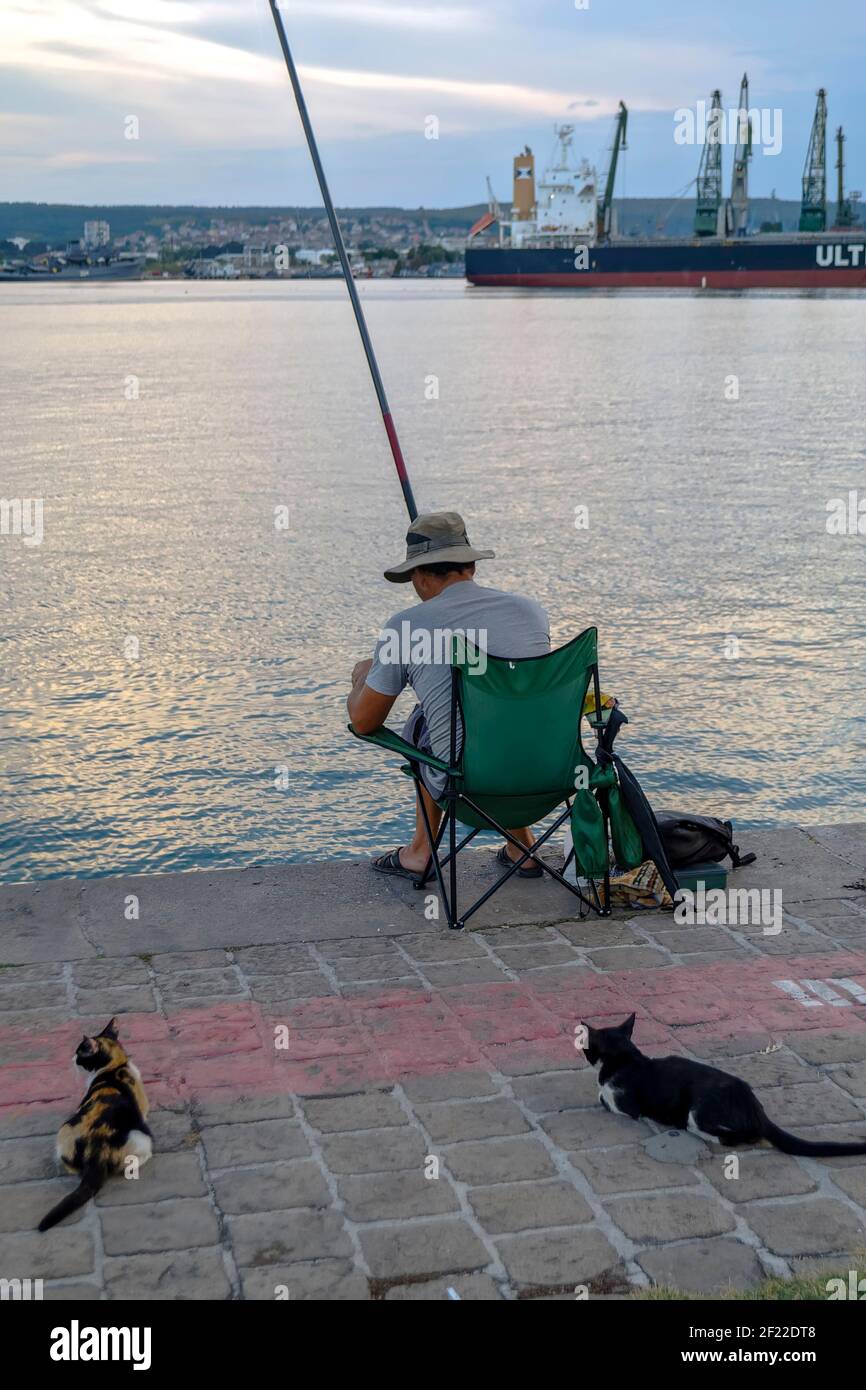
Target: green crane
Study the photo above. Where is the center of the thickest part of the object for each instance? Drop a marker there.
(709, 189)
(844, 206)
(813, 209)
(604, 210)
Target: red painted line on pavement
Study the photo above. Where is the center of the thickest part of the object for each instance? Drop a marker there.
(331, 1044)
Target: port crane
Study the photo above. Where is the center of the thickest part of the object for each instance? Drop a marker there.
(738, 214)
(709, 189)
(813, 209)
(604, 211)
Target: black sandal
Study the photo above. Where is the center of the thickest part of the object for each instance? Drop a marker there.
(526, 872)
(390, 864)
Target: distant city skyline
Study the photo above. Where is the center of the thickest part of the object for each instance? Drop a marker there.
(187, 101)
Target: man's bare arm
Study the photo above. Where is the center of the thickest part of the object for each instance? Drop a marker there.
(368, 710)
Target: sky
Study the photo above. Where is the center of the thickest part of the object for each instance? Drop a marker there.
(215, 121)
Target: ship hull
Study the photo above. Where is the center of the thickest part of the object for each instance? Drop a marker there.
(752, 263)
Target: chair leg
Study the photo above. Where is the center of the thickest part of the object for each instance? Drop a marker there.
(433, 842)
(453, 922)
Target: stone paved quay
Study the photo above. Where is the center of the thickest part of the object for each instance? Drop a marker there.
(311, 1043)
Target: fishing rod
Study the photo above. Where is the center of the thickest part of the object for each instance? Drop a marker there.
(387, 418)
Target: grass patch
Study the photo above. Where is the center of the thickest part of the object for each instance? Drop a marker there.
(810, 1288)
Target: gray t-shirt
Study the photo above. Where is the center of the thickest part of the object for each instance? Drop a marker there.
(414, 647)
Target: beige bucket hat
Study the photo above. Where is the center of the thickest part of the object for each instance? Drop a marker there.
(434, 539)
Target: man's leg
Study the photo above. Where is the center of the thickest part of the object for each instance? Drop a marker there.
(417, 852)
(526, 838)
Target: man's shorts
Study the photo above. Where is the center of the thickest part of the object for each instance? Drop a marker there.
(415, 732)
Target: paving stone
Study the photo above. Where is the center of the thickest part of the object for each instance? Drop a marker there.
(356, 946)
(466, 972)
(852, 1181)
(180, 1275)
(826, 1048)
(322, 1280)
(593, 1129)
(654, 1218)
(110, 973)
(253, 1141)
(772, 1069)
(42, 995)
(175, 961)
(32, 974)
(528, 935)
(694, 940)
(523, 1206)
(373, 1110)
(703, 1266)
(471, 1288)
(524, 959)
(551, 1259)
(261, 960)
(452, 1085)
(450, 1121)
(67, 1251)
(629, 958)
(166, 1175)
(282, 1237)
(630, 1169)
(396, 1196)
(232, 1109)
(499, 1160)
(71, 1292)
(172, 1130)
(818, 1103)
(374, 1150)
(852, 1078)
(350, 972)
(425, 1247)
(177, 989)
(675, 1146)
(761, 1174)
(552, 1091)
(96, 1006)
(23, 1160)
(24, 1122)
(279, 992)
(177, 1224)
(277, 1187)
(23, 1204)
(815, 1226)
(454, 946)
(593, 933)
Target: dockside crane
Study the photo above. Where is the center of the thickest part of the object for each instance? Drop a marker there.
(739, 206)
(604, 210)
(709, 189)
(813, 209)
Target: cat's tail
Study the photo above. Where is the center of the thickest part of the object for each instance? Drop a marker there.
(806, 1148)
(91, 1181)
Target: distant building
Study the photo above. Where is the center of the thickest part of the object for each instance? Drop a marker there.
(96, 234)
(311, 256)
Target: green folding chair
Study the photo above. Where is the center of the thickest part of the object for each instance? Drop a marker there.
(521, 758)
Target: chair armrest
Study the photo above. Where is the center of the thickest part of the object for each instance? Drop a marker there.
(386, 738)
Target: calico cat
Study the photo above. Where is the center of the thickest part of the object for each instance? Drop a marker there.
(680, 1094)
(108, 1126)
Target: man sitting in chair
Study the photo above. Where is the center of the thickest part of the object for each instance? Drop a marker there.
(414, 649)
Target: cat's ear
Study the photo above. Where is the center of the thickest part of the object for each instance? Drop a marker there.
(110, 1030)
(628, 1027)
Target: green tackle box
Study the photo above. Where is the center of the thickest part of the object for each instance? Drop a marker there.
(711, 875)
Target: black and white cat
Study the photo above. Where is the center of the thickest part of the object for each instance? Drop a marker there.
(681, 1094)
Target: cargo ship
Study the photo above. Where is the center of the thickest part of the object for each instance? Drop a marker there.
(564, 235)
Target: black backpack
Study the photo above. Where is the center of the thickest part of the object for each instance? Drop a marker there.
(699, 840)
